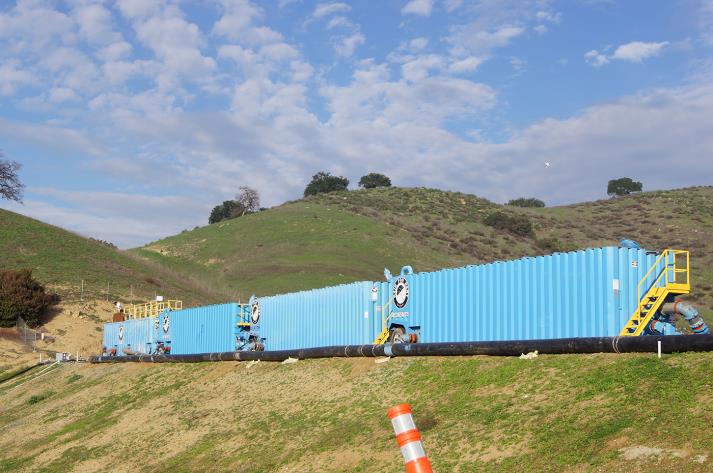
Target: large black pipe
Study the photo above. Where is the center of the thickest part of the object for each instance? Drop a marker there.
(670, 344)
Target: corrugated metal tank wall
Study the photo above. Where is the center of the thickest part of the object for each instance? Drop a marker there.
(203, 329)
(134, 333)
(338, 315)
(555, 296)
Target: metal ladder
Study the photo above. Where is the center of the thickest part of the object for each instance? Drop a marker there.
(673, 279)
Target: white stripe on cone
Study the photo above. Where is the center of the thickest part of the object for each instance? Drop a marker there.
(403, 423)
(413, 451)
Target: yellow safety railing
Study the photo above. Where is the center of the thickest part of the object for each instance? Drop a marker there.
(667, 282)
(670, 272)
(151, 309)
(384, 335)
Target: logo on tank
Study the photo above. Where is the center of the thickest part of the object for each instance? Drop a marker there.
(121, 333)
(255, 311)
(166, 324)
(400, 292)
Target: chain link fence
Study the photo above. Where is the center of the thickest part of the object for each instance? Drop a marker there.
(27, 335)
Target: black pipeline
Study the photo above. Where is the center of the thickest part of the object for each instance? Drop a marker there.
(669, 344)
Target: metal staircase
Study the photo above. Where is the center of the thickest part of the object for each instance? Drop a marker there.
(382, 338)
(673, 279)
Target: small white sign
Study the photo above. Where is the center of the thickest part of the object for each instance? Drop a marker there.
(366, 314)
(615, 285)
(634, 264)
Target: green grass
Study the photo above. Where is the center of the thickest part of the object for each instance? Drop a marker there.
(296, 246)
(62, 260)
(553, 413)
(39, 397)
(347, 236)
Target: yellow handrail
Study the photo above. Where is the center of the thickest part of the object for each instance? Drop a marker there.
(151, 309)
(656, 293)
(665, 256)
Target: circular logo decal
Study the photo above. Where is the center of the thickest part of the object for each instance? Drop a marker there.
(400, 292)
(166, 324)
(255, 313)
(121, 333)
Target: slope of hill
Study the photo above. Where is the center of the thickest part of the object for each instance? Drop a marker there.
(62, 260)
(624, 413)
(346, 236)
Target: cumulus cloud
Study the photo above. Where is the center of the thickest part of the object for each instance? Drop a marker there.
(12, 77)
(216, 106)
(636, 51)
(418, 7)
(348, 44)
(326, 9)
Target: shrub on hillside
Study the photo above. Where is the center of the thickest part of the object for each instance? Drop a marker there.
(21, 295)
(551, 244)
(374, 180)
(323, 182)
(623, 186)
(526, 202)
(517, 224)
(227, 210)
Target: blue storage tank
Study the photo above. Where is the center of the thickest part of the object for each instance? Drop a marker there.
(205, 329)
(589, 293)
(338, 315)
(134, 334)
(586, 293)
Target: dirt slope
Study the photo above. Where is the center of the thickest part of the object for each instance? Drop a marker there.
(603, 413)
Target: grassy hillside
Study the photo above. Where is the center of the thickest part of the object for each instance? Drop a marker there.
(624, 413)
(61, 260)
(347, 236)
(299, 245)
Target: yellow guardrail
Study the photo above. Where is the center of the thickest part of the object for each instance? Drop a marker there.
(667, 282)
(151, 309)
(384, 335)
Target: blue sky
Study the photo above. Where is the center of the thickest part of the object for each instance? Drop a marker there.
(133, 118)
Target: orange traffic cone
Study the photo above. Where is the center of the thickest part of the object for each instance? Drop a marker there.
(409, 439)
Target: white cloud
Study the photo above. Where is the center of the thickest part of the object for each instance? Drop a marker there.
(347, 45)
(541, 29)
(237, 24)
(418, 68)
(550, 16)
(417, 44)
(61, 94)
(468, 64)
(13, 77)
(325, 9)
(418, 7)
(636, 51)
(595, 58)
(115, 51)
(95, 24)
(339, 22)
(255, 120)
(472, 38)
(704, 16)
